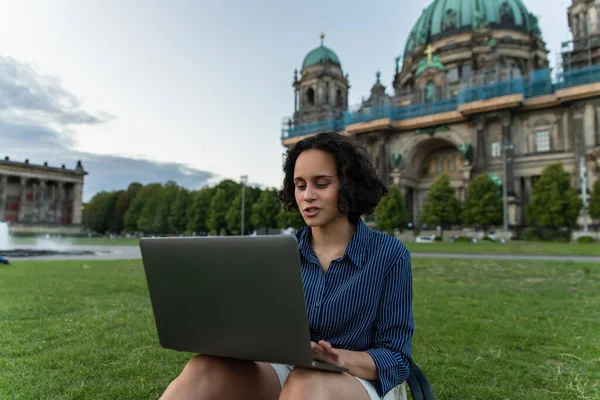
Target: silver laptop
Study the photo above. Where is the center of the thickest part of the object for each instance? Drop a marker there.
(235, 297)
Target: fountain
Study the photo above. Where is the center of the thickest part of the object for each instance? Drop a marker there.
(4, 236)
(41, 248)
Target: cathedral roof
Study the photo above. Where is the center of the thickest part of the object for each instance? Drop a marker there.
(449, 17)
(321, 55)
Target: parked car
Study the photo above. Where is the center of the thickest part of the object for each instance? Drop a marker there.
(426, 239)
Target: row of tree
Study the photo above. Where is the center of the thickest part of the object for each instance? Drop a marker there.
(170, 209)
(554, 204)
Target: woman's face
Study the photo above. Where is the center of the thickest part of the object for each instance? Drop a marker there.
(316, 187)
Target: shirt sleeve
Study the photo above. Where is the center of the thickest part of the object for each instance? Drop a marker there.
(394, 324)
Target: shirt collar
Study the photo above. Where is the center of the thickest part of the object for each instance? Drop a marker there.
(356, 249)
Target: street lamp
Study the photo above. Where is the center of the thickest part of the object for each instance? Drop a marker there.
(583, 172)
(243, 181)
(506, 146)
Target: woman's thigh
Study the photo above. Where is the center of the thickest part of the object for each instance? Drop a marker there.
(307, 384)
(206, 377)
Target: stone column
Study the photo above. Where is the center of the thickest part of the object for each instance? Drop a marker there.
(507, 140)
(23, 198)
(42, 202)
(589, 126)
(60, 202)
(77, 203)
(4, 191)
(53, 195)
(528, 189)
(578, 131)
(481, 157)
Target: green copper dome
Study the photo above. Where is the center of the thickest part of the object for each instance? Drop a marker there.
(321, 55)
(449, 17)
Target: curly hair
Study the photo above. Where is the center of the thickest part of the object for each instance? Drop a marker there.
(360, 187)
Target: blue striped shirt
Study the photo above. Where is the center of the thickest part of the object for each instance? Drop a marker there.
(364, 301)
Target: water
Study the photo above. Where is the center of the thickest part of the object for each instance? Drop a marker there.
(4, 236)
(43, 247)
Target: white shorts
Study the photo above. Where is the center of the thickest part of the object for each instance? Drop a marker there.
(284, 370)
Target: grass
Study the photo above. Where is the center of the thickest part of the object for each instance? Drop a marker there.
(514, 247)
(484, 330)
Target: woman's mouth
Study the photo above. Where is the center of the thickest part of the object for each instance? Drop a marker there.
(311, 211)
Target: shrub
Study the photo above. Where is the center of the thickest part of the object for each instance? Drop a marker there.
(586, 239)
(530, 234)
(463, 239)
(555, 235)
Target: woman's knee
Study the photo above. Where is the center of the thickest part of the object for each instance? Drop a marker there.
(302, 382)
(208, 369)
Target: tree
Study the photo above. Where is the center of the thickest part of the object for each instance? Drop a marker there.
(442, 208)
(233, 218)
(137, 204)
(265, 210)
(289, 219)
(151, 197)
(166, 199)
(483, 206)
(99, 212)
(197, 214)
(178, 212)
(554, 203)
(121, 205)
(218, 210)
(594, 205)
(391, 213)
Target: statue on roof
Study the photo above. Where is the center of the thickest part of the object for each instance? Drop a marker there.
(479, 21)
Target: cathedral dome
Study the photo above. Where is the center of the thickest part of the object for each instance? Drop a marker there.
(321, 55)
(445, 18)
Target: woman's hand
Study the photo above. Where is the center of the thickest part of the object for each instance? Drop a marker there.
(323, 352)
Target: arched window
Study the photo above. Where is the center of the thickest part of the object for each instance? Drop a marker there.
(310, 97)
(327, 94)
(339, 99)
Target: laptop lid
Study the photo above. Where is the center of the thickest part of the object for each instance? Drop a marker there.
(237, 297)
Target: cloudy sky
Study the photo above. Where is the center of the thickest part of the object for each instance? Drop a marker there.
(191, 91)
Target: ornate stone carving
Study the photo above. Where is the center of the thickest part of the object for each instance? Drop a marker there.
(450, 20)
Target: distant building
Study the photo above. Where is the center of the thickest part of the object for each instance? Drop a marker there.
(40, 198)
(474, 85)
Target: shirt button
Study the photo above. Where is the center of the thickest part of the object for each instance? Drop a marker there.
(317, 305)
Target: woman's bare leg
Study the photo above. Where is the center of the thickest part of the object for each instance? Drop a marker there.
(307, 384)
(206, 377)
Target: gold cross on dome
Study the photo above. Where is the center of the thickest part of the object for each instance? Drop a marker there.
(429, 53)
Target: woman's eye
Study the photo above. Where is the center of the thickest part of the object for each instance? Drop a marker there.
(322, 185)
(300, 187)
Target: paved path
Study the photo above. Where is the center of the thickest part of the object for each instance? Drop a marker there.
(102, 253)
(133, 252)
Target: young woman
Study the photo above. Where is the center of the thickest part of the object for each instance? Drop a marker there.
(357, 286)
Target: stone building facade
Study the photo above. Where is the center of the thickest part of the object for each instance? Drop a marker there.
(474, 93)
(40, 198)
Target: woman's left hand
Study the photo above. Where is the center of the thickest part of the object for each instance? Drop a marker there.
(324, 352)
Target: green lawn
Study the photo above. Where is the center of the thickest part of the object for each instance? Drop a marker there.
(485, 330)
(515, 247)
